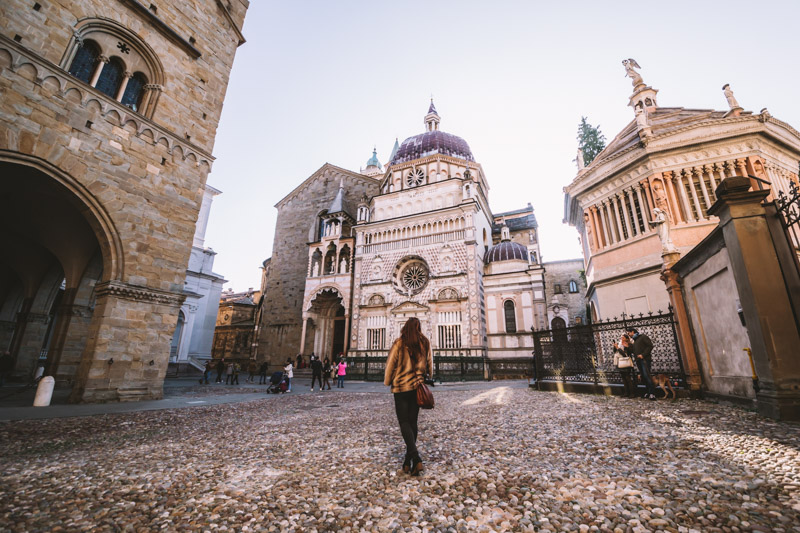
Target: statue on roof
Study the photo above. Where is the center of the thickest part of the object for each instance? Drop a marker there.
(635, 77)
(579, 160)
(729, 96)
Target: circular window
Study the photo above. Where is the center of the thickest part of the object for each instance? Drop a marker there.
(411, 276)
(415, 276)
(415, 178)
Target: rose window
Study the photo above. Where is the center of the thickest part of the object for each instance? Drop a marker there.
(416, 178)
(415, 276)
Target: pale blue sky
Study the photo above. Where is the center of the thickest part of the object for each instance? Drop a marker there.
(324, 81)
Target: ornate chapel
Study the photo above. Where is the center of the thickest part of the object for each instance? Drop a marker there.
(356, 254)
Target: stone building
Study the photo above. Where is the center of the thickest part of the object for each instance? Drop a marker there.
(671, 159)
(416, 239)
(565, 293)
(194, 332)
(109, 115)
(233, 335)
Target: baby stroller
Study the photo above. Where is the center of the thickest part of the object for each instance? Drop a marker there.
(277, 383)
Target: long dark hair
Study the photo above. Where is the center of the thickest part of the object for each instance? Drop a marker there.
(414, 340)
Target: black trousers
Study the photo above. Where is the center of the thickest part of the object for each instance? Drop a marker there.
(315, 378)
(407, 410)
(627, 382)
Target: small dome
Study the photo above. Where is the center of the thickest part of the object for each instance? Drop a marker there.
(373, 161)
(507, 251)
(432, 142)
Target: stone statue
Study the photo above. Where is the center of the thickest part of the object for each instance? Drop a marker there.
(641, 119)
(315, 270)
(662, 225)
(636, 78)
(729, 96)
(343, 266)
(579, 160)
(588, 226)
(660, 198)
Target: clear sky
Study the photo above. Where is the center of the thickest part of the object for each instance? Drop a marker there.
(324, 81)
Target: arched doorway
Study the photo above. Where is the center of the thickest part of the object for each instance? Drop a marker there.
(51, 261)
(326, 315)
(559, 327)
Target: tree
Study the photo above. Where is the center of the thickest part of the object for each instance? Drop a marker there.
(591, 141)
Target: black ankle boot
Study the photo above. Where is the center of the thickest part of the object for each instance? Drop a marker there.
(416, 466)
(407, 464)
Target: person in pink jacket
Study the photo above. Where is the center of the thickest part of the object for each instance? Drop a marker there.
(341, 371)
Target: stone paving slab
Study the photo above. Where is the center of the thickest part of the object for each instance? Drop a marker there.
(498, 457)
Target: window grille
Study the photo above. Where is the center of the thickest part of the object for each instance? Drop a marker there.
(450, 330)
(376, 333)
(511, 317)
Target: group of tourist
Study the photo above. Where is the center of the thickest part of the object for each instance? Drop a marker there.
(321, 371)
(635, 351)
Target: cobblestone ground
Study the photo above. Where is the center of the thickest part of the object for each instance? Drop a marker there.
(503, 458)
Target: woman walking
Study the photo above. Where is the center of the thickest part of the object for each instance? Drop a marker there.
(288, 373)
(410, 358)
(326, 374)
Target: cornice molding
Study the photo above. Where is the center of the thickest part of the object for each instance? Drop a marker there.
(138, 293)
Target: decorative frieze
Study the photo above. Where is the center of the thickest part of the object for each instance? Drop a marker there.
(136, 293)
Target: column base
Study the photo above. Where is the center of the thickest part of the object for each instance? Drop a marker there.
(780, 406)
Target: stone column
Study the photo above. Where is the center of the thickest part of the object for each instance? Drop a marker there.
(698, 173)
(672, 197)
(601, 238)
(762, 286)
(620, 199)
(346, 346)
(632, 204)
(124, 85)
(685, 200)
(127, 349)
(709, 169)
(682, 323)
(643, 209)
(101, 62)
(303, 336)
(60, 329)
(620, 233)
(693, 190)
(606, 225)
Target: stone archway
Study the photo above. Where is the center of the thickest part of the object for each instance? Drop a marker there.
(329, 319)
(51, 262)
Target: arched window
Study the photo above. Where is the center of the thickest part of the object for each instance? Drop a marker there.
(573, 287)
(85, 61)
(134, 91)
(111, 77)
(511, 317)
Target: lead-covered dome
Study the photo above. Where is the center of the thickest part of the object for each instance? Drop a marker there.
(507, 251)
(433, 141)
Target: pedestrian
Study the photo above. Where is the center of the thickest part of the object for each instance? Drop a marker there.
(236, 369)
(252, 370)
(6, 366)
(299, 361)
(642, 354)
(326, 373)
(206, 372)
(316, 372)
(220, 369)
(289, 374)
(410, 359)
(341, 370)
(263, 373)
(624, 364)
(229, 374)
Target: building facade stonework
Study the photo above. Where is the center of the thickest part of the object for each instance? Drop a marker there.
(110, 111)
(671, 159)
(357, 254)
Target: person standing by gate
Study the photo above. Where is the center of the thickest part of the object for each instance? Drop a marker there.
(642, 353)
(341, 370)
(220, 369)
(326, 374)
(624, 363)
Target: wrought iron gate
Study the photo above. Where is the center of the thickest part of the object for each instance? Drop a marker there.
(585, 353)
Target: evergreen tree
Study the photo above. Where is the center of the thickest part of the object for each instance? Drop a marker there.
(591, 141)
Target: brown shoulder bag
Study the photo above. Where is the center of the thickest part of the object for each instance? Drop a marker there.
(424, 396)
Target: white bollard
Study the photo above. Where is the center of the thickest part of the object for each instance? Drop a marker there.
(44, 392)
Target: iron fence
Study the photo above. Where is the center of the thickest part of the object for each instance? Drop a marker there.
(448, 365)
(585, 353)
(788, 206)
(511, 368)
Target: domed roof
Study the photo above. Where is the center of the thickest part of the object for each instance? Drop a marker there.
(506, 251)
(432, 142)
(373, 161)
